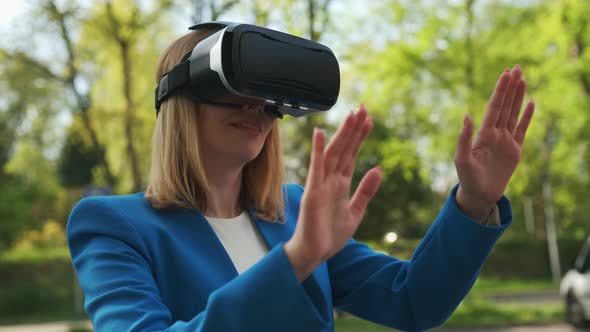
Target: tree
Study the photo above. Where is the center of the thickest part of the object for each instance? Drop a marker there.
(77, 161)
(63, 19)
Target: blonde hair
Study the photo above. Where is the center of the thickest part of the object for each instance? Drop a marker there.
(177, 178)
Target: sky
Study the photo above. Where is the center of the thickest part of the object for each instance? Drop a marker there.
(9, 9)
(10, 13)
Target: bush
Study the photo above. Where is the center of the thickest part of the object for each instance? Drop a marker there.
(37, 285)
(519, 257)
(51, 235)
(525, 257)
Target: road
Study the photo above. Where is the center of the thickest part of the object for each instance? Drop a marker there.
(544, 328)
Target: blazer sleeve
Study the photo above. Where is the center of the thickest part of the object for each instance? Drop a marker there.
(114, 270)
(416, 294)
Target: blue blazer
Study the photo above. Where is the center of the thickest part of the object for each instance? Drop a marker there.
(143, 269)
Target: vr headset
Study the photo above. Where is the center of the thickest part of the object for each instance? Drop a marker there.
(243, 64)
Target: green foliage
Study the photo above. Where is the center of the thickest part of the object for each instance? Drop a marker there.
(531, 256)
(32, 289)
(438, 66)
(417, 83)
(528, 253)
(51, 236)
(15, 209)
(77, 161)
(425, 66)
(405, 192)
(478, 313)
(28, 193)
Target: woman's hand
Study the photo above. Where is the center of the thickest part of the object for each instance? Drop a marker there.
(485, 167)
(328, 217)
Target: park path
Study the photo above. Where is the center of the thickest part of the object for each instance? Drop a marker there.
(66, 326)
(46, 327)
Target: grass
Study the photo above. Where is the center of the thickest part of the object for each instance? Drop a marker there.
(354, 324)
(79, 329)
(485, 313)
(487, 285)
(475, 310)
(35, 255)
(480, 313)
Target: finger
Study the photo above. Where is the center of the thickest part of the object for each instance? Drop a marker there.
(496, 101)
(365, 192)
(347, 155)
(316, 165)
(523, 124)
(351, 162)
(509, 99)
(463, 153)
(338, 142)
(361, 117)
(516, 106)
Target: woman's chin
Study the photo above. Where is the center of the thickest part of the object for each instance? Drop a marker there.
(247, 155)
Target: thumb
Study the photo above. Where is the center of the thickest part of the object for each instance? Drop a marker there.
(463, 152)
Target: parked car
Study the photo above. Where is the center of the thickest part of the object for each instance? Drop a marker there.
(575, 289)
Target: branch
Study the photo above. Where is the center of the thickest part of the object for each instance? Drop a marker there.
(115, 28)
(59, 17)
(155, 14)
(34, 63)
(228, 5)
(325, 18)
(215, 13)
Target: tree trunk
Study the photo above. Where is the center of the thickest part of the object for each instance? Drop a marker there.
(129, 116)
(314, 120)
(83, 101)
(470, 56)
(550, 228)
(98, 149)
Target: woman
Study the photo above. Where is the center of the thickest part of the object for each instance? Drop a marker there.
(217, 243)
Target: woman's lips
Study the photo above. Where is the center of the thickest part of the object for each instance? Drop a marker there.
(247, 128)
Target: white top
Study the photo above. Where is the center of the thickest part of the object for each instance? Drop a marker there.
(245, 245)
(240, 238)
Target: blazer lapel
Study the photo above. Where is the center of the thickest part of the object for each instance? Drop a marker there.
(216, 251)
(272, 232)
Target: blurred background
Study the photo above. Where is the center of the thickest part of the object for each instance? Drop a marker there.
(77, 83)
